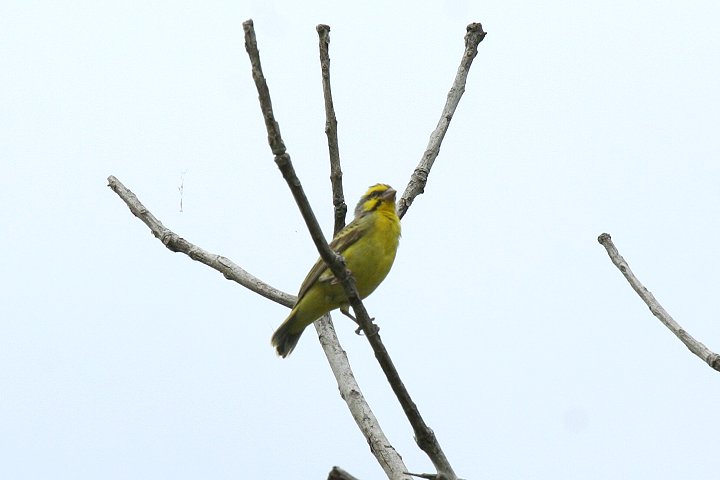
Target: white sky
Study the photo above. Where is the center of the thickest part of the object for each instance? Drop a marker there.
(523, 346)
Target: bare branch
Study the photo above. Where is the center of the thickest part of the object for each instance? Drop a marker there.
(333, 260)
(418, 180)
(175, 243)
(696, 347)
(364, 417)
(331, 130)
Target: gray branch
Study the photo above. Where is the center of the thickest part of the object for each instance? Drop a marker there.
(418, 180)
(696, 347)
(331, 130)
(176, 243)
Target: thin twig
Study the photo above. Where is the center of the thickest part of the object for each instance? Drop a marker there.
(331, 130)
(418, 180)
(175, 243)
(696, 347)
(333, 260)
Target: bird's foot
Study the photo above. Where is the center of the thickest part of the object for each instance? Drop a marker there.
(374, 329)
(359, 330)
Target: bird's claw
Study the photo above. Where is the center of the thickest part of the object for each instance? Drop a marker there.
(375, 329)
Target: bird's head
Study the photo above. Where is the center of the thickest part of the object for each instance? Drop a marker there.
(379, 197)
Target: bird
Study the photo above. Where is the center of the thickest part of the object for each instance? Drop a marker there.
(368, 244)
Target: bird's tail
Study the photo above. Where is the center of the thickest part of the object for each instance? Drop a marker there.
(286, 336)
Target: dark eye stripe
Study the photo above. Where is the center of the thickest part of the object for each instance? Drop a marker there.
(375, 194)
(366, 203)
(377, 204)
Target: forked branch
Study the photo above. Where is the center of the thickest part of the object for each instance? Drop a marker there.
(389, 460)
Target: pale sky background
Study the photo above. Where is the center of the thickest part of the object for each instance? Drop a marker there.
(523, 346)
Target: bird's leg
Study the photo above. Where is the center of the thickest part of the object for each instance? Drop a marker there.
(345, 310)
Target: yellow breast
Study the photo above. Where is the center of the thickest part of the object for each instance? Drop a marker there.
(371, 257)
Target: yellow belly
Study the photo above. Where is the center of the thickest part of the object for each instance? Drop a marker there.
(369, 259)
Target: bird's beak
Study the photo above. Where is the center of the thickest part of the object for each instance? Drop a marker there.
(389, 194)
